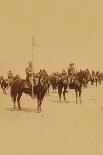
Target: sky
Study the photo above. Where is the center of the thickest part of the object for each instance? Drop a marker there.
(64, 31)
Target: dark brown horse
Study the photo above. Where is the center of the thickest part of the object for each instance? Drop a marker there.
(80, 80)
(18, 88)
(4, 85)
(54, 82)
(96, 78)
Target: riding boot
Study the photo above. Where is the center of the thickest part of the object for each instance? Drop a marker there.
(28, 84)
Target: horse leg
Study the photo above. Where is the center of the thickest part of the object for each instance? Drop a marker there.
(80, 96)
(48, 91)
(2, 87)
(92, 82)
(100, 81)
(60, 93)
(64, 94)
(76, 96)
(96, 83)
(14, 96)
(60, 96)
(39, 105)
(14, 99)
(5, 90)
(65, 90)
(18, 99)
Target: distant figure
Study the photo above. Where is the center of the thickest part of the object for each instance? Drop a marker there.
(10, 77)
(1, 79)
(16, 77)
(44, 72)
(93, 73)
(10, 74)
(64, 72)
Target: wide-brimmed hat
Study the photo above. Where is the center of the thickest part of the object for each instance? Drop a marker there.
(9, 71)
(71, 64)
(29, 62)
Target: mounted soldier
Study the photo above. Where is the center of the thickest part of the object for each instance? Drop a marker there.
(64, 76)
(93, 73)
(10, 74)
(64, 72)
(29, 73)
(10, 77)
(1, 79)
(71, 72)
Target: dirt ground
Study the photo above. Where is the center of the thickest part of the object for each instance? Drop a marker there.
(60, 129)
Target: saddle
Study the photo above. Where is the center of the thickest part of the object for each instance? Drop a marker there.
(71, 80)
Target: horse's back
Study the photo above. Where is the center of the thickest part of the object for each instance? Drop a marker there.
(17, 84)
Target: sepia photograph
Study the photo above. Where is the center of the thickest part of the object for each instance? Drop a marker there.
(51, 77)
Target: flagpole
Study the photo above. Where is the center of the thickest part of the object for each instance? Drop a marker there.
(32, 65)
(34, 45)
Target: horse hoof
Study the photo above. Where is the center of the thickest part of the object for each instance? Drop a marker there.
(59, 100)
(38, 109)
(19, 108)
(65, 99)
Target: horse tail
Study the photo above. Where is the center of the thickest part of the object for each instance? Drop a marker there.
(13, 92)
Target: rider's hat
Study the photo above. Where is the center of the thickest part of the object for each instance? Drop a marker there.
(71, 64)
(9, 71)
(30, 62)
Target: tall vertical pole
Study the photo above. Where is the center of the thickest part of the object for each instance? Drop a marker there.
(32, 65)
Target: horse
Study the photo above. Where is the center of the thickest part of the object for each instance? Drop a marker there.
(97, 78)
(93, 80)
(62, 87)
(40, 90)
(47, 85)
(18, 88)
(4, 85)
(54, 82)
(77, 83)
(45, 80)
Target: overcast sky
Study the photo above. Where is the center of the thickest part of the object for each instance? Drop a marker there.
(65, 31)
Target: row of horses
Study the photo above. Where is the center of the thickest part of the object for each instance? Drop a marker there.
(41, 85)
